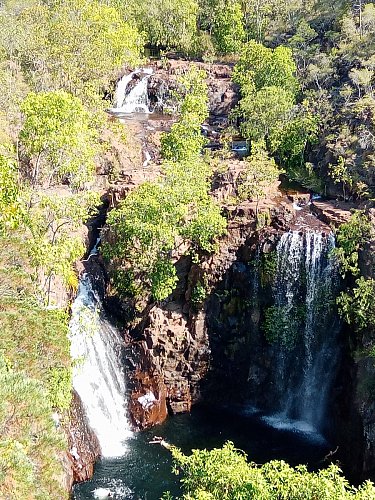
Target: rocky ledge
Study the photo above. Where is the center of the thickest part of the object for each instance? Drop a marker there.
(223, 93)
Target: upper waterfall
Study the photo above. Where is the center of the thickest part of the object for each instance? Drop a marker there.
(306, 354)
(98, 376)
(136, 100)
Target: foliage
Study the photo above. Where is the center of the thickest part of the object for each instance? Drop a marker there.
(268, 268)
(290, 141)
(35, 380)
(58, 137)
(150, 220)
(185, 139)
(226, 474)
(264, 111)
(340, 174)
(168, 24)
(51, 221)
(268, 88)
(9, 193)
(75, 46)
(260, 173)
(28, 469)
(357, 306)
(261, 67)
(228, 30)
(154, 217)
(33, 338)
(351, 237)
(283, 324)
(199, 293)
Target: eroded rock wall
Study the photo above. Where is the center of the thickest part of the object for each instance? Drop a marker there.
(84, 448)
(171, 346)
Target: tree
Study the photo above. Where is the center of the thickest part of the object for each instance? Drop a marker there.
(225, 474)
(362, 79)
(228, 28)
(146, 226)
(357, 306)
(149, 222)
(291, 141)
(351, 238)
(264, 111)
(28, 469)
(168, 24)
(185, 139)
(9, 193)
(58, 138)
(268, 89)
(266, 67)
(53, 247)
(77, 46)
(302, 46)
(340, 173)
(260, 172)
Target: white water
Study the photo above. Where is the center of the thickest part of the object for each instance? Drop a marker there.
(135, 101)
(98, 376)
(283, 423)
(303, 374)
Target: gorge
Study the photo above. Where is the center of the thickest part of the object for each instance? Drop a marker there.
(261, 349)
(187, 250)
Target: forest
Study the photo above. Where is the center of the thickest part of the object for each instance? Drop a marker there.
(305, 73)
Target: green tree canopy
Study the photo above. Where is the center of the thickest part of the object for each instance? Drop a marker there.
(228, 30)
(266, 67)
(225, 474)
(28, 435)
(55, 245)
(58, 138)
(260, 173)
(9, 193)
(176, 207)
(168, 24)
(70, 45)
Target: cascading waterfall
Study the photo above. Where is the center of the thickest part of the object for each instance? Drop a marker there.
(135, 101)
(306, 354)
(122, 86)
(98, 376)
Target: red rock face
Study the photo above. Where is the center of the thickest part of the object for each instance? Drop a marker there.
(84, 448)
(168, 351)
(165, 366)
(147, 404)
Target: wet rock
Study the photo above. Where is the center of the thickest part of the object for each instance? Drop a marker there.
(223, 93)
(84, 448)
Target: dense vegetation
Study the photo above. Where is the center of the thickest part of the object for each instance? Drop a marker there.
(305, 69)
(356, 304)
(176, 208)
(226, 474)
(35, 381)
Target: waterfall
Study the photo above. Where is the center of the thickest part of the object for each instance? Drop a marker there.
(122, 86)
(306, 352)
(98, 376)
(136, 100)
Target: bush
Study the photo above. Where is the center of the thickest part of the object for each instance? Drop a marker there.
(225, 474)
